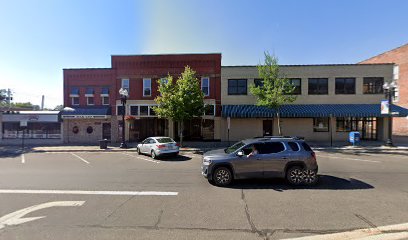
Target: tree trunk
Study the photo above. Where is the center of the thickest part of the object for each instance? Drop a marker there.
(279, 126)
(181, 129)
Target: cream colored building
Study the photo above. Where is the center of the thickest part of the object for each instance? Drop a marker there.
(332, 100)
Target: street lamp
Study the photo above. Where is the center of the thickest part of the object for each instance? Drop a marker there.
(123, 97)
(389, 90)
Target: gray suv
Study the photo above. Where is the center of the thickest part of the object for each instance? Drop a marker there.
(268, 157)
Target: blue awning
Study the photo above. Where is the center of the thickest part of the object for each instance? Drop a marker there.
(311, 110)
(86, 112)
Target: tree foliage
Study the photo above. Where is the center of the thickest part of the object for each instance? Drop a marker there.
(180, 100)
(276, 90)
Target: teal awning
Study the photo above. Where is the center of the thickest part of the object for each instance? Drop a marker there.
(311, 110)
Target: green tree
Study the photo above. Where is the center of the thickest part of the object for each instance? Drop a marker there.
(180, 100)
(276, 90)
(3, 95)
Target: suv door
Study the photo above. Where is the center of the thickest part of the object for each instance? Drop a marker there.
(248, 167)
(274, 158)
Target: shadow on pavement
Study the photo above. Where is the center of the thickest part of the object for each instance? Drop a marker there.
(178, 158)
(326, 182)
(13, 152)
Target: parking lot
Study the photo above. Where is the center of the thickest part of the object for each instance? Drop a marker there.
(122, 195)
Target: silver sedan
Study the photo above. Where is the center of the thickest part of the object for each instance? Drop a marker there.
(158, 146)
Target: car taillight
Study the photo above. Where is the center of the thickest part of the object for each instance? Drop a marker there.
(313, 155)
(178, 144)
(161, 146)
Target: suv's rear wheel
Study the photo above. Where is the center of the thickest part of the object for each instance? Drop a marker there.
(294, 175)
(222, 176)
(310, 177)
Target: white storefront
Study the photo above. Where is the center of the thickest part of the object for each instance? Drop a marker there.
(36, 127)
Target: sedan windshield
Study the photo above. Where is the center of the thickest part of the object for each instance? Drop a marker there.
(234, 147)
(165, 140)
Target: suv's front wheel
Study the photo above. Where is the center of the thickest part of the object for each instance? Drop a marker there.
(222, 176)
(294, 175)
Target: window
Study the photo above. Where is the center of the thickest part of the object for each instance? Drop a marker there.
(125, 84)
(74, 91)
(121, 110)
(320, 124)
(318, 86)
(205, 86)
(144, 110)
(258, 82)
(89, 91)
(373, 85)
(237, 86)
(348, 124)
(345, 85)
(75, 129)
(134, 110)
(296, 83)
(89, 130)
(147, 87)
(271, 147)
(294, 146)
(151, 111)
(306, 147)
(164, 80)
(105, 100)
(209, 110)
(75, 100)
(105, 91)
(90, 100)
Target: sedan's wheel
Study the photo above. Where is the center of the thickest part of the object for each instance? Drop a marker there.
(310, 177)
(153, 154)
(222, 176)
(295, 175)
(138, 151)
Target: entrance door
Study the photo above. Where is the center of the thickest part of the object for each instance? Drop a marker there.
(369, 129)
(267, 127)
(106, 131)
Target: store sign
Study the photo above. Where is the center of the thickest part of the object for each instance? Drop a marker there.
(30, 118)
(84, 116)
(384, 107)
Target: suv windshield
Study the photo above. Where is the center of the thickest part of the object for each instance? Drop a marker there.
(165, 140)
(234, 147)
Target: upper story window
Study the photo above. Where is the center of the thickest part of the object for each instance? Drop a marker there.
(90, 101)
(105, 91)
(120, 110)
(237, 86)
(209, 110)
(147, 87)
(296, 82)
(74, 92)
(89, 92)
(125, 84)
(164, 80)
(258, 82)
(205, 86)
(345, 85)
(373, 85)
(75, 100)
(318, 86)
(105, 100)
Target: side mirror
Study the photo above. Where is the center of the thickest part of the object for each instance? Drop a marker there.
(240, 153)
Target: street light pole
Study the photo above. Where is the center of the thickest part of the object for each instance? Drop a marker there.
(389, 89)
(123, 97)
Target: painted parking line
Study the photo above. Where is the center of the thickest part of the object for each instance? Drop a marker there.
(81, 192)
(397, 231)
(351, 159)
(141, 158)
(22, 158)
(80, 158)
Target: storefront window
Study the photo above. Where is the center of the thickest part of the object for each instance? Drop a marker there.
(36, 130)
(320, 124)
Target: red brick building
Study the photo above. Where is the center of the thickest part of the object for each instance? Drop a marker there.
(398, 56)
(93, 95)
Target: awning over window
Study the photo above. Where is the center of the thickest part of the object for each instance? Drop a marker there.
(89, 112)
(105, 90)
(312, 110)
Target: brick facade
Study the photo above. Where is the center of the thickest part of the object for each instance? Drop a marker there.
(398, 56)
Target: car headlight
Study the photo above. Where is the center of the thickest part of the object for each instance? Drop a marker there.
(207, 161)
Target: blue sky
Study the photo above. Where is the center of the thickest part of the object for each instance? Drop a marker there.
(38, 38)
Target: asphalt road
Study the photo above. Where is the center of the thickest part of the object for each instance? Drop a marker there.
(169, 199)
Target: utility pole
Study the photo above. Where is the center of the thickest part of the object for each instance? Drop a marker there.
(9, 97)
(42, 103)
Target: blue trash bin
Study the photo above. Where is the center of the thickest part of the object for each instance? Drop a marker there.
(354, 138)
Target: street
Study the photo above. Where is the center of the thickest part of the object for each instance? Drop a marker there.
(122, 195)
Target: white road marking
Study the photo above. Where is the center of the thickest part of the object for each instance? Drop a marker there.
(351, 159)
(22, 158)
(83, 160)
(145, 159)
(16, 217)
(81, 192)
(389, 232)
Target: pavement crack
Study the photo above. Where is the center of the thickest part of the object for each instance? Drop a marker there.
(118, 207)
(365, 220)
(156, 226)
(249, 218)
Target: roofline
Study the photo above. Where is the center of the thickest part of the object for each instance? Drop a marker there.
(163, 54)
(316, 65)
(406, 44)
(87, 69)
